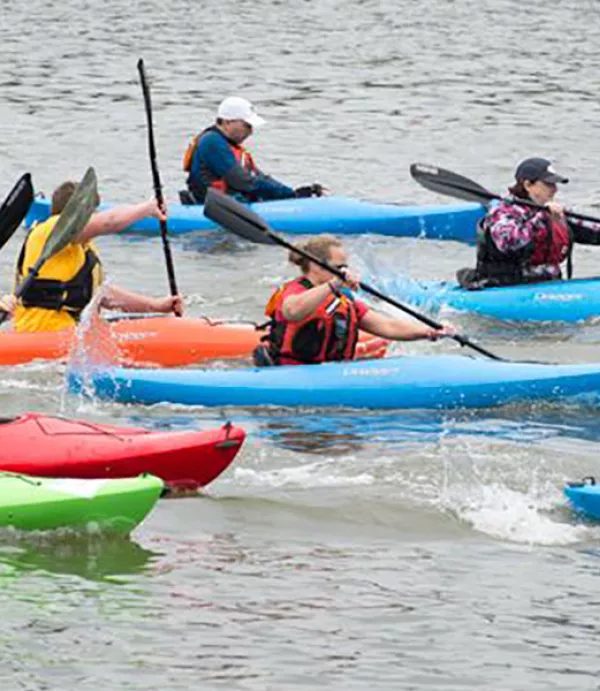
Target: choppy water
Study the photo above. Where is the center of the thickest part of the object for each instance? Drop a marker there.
(346, 551)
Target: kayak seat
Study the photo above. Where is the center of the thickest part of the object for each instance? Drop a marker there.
(186, 198)
(589, 480)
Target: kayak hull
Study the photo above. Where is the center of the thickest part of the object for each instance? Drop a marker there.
(434, 382)
(313, 216)
(54, 447)
(584, 498)
(564, 301)
(150, 342)
(116, 506)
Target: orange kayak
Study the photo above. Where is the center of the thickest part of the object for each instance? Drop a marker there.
(150, 342)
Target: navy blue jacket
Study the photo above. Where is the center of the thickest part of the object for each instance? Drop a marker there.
(214, 160)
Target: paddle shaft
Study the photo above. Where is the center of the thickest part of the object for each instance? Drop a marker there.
(156, 179)
(375, 293)
(447, 182)
(526, 202)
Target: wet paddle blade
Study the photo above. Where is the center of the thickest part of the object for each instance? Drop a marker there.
(15, 208)
(451, 184)
(237, 218)
(74, 217)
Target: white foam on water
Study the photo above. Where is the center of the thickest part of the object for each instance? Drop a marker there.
(26, 385)
(516, 516)
(307, 476)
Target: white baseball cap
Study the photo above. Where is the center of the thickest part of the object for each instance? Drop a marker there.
(236, 108)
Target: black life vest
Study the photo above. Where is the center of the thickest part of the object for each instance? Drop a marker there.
(495, 268)
(73, 295)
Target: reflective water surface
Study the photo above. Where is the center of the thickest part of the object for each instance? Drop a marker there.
(346, 550)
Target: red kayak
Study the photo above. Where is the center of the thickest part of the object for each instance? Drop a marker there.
(54, 447)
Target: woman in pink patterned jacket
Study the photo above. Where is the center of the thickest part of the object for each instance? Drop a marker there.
(520, 244)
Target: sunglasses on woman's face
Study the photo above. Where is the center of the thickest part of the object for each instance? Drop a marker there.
(340, 267)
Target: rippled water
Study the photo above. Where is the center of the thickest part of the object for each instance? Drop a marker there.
(347, 550)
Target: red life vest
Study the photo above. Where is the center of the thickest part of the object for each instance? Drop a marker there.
(242, 156)
(329, 333)
(553, 248)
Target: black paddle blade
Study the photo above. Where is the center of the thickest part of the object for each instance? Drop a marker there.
(451, 184)
(237, 218)
(15, 208)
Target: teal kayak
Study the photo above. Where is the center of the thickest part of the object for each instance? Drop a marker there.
(115, 506)
(411, 382)
(563, 301)
(338, 215)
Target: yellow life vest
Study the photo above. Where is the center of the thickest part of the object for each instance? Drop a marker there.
(64, 286)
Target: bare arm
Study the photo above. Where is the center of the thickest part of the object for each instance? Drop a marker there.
(116, 219)
(296, 307)
(397, 329)
(116, 298)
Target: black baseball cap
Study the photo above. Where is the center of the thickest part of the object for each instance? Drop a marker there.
(534, 169)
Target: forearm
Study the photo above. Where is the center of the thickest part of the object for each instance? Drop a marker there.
(116, 298)
(296, 307)
(266, 187)
(395, 329)
(113, 221)
(257, 186)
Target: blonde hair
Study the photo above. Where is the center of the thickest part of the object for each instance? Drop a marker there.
(320, 247)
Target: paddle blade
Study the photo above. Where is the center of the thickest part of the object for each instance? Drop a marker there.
(15, 208)
(74, 217)
(237, 218)
(451, 184)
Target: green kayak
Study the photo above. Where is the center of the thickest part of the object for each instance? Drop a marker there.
(115, 506)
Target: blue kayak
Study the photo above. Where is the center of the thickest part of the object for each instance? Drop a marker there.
(339, 215)
(566, 301)
(434, 381)
(584, 497)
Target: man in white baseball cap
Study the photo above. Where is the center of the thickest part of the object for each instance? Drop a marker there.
(236, 108)
(216, 158)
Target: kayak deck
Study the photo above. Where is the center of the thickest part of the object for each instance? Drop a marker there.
(116, 506)
(48, 446)
(412, 382)
(567, 301)
(584, 497)
(150, 342)
(313, 216)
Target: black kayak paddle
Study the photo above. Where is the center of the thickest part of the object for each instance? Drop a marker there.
(240, 220)
(156, 179)
(72, 220)
(454, 185)
(15, 208)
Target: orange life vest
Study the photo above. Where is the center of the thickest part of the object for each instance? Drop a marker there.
(242, 156)
(329, 333)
